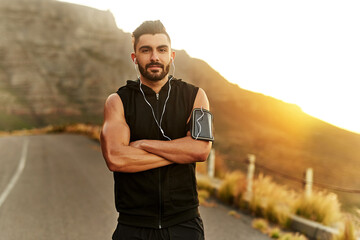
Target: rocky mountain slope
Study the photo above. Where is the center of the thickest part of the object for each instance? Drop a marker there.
(59, 62)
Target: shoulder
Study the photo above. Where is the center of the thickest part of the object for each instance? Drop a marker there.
(197, 90)
(130, 86)
(201, 100)
(113, 102)
(181, 83)
(185, 87)
(201, 93)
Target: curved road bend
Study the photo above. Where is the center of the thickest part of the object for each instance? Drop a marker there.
(58, 187)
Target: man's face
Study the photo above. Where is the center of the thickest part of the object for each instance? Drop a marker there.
(153, 55)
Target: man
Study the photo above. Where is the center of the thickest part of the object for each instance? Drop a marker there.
(146, 142)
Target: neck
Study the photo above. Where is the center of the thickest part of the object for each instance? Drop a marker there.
(154, 85)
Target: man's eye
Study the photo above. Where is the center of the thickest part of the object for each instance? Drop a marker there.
(145, 50)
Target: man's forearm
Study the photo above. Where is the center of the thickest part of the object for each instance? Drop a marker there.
(135, 160)
(182, 150)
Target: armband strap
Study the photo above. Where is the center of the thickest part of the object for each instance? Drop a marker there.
(201, 125)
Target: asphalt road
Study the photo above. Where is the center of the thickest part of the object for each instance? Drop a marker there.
(58, 187)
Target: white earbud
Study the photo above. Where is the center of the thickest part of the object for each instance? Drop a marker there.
(172, 63)
(136, 68)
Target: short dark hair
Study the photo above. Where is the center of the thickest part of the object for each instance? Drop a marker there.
(148, 27)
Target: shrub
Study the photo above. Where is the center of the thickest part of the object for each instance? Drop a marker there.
(290, 236)
(205, 184)
(203, 196)
(321, 207)
(260, 224)
(92, 131)
(272, 201)
(275, 233)
(232, 187)
(348, 232)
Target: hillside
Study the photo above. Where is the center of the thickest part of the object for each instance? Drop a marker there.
(59, 62)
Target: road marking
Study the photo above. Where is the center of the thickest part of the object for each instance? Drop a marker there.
(17, 174)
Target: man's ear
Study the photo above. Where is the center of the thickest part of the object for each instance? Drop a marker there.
(172, 56)
(133, 57)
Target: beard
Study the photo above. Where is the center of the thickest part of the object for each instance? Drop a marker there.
(156, 75)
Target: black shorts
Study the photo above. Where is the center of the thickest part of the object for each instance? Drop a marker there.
(190, 230)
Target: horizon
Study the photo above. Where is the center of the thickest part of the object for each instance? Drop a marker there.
(311, 62)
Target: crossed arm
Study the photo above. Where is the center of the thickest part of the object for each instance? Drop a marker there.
(121, 155)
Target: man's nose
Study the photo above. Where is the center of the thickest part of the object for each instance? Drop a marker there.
(154, 57)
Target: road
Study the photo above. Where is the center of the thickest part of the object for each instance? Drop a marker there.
(58, 187)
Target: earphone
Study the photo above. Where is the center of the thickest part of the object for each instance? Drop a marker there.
(136, 68)
(167, 98)
(152, 110)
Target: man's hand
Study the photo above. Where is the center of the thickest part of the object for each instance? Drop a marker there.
(181, 150)
(136, 144)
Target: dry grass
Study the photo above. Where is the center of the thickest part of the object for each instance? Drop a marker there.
(205, 191)
(348, 231)
(203, 195)
(204, 183)
(273, 201)
(92, 131)
(276, 203)
(322, 207)
(292, 236)
(232, 188)
(260, 224)
(275, 233)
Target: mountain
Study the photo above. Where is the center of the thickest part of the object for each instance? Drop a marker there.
(60, 61)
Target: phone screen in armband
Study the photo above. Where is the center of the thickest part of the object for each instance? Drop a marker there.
(201, 125)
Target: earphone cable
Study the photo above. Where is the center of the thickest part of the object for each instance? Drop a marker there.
(197, 121)
(152, 110)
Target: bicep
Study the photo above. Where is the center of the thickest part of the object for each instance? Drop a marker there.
(115, 130)
(201, 100)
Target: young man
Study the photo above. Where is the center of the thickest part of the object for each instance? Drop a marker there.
(146, 142)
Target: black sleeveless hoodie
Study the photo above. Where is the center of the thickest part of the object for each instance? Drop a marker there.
(165, 196)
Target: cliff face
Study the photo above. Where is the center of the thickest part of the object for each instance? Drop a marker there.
(57, 61)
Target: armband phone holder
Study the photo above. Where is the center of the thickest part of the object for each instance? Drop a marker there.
(201, 125)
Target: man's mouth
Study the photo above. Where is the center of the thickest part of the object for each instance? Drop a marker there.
(154, 66)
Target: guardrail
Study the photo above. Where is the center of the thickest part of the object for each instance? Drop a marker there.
(313, 230)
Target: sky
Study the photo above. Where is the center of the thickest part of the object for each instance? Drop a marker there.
(303, 52)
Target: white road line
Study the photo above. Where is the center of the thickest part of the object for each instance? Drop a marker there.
(17, 174)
